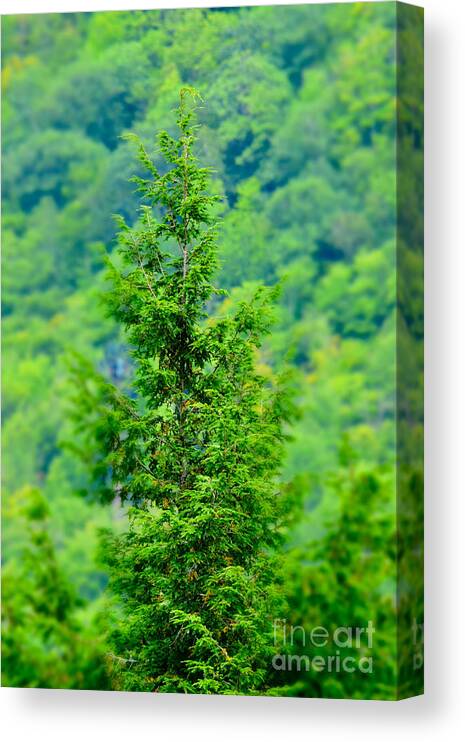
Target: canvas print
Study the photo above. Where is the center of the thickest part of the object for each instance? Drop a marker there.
(212, 235)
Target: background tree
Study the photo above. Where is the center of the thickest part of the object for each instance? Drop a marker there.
(195, 450)
(346, 578)
(49, 641)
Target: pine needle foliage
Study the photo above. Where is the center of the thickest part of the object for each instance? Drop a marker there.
(194, 449)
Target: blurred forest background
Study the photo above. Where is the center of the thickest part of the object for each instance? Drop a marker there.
(299, 125)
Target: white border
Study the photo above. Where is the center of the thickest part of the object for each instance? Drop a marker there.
(55, 6)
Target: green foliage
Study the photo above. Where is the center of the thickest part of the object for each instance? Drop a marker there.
(347, 577)
(196, 453)
(51, 163)
(300, 130)
(47, 642)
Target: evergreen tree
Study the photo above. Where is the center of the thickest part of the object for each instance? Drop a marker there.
(194, 447)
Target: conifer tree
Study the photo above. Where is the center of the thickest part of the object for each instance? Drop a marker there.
(194, 448)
